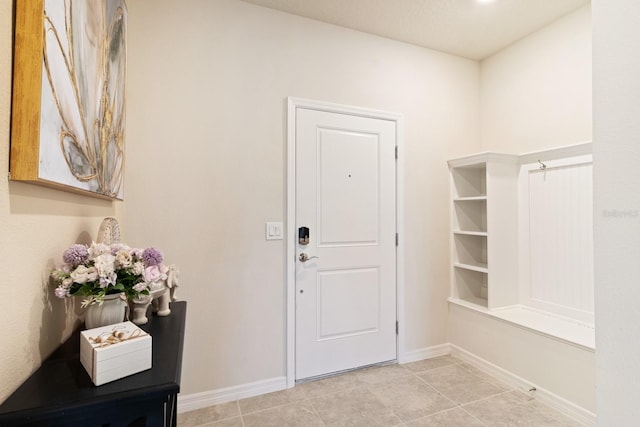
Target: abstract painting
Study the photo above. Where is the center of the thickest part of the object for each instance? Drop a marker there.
(68, 116)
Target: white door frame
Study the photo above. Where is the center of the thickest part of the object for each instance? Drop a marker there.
(291, 235)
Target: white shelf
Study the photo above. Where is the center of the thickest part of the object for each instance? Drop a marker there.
(479, 268)
(470, 233)
(470, 199)
(477, 304)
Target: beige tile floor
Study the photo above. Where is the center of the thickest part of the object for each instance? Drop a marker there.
(439, 392)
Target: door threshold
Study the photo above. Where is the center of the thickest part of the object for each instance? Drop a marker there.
(338, 373)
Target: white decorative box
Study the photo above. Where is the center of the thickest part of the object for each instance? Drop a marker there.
(112, 352)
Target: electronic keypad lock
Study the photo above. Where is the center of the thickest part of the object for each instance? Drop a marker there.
(303, 235)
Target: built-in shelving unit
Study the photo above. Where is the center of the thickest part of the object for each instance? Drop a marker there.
(469, 189)
(521, 239)
(521, 267)
(472, 182)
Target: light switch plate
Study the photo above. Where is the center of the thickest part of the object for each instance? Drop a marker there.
(273, 231)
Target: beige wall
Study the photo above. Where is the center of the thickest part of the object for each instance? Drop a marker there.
(536, 94)
(206, 165)
(36, 225)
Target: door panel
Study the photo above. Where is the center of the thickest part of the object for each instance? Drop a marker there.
(349, 303)
(345, 195)
(348, 190)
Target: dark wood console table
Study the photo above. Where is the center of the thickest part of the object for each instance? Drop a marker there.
(60, 392)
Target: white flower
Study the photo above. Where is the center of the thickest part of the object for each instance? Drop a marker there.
(80, 274)
(152, 274)
(139, 287)
(105, 265)
(97, 249)
(92, 274)
(138, 268)
(124, 258)
(108, 280)
(164, 270)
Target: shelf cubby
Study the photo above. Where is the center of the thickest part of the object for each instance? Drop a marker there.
(470, 215)
(470, 251)
(469, 181)
(471, 286)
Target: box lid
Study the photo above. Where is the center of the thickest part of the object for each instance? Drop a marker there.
(114, 339)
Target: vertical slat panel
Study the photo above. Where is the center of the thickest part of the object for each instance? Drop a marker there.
(561, 237)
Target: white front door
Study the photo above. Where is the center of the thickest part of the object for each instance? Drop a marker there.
(346, 197)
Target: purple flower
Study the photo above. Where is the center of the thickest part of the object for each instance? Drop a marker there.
(76, 254)
(62, 292)
(151, 256)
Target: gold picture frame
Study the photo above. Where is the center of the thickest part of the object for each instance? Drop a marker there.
(68, 120)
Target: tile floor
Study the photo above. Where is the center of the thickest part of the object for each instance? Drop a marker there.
(442, 391)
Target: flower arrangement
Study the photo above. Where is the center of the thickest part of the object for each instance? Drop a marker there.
(100, 269)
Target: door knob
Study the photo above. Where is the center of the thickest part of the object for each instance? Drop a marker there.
(304, 257)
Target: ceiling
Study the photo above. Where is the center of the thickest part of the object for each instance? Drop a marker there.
(467, 28)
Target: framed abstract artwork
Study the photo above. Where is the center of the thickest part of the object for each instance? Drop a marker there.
(68, 111)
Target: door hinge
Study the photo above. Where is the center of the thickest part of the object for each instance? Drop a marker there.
(396, 152)
(397, 327)
(397, 239)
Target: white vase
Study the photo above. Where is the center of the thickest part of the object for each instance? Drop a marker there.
(111, 311)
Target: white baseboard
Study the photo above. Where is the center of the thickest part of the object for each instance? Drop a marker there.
(424, 353)
(545, 396)
(191, 402)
